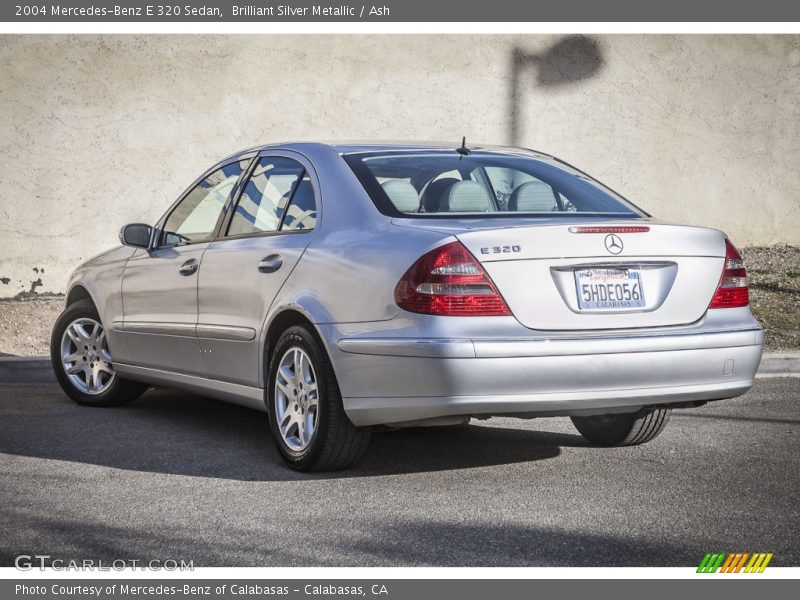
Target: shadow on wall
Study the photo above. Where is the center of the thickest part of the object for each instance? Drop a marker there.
(571, 59)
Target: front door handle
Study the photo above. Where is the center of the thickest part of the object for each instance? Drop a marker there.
(189, 267)
(270, 264)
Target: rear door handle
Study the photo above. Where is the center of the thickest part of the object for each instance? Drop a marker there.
(270, 264)
(189, 267)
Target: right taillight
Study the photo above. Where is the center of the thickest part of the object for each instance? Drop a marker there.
(732, 289)
(448, 281)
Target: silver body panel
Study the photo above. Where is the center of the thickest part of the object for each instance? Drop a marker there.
(160, 310)
(535, 378)
(208, 332)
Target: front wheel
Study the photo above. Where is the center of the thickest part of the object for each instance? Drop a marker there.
(307, 419)
(623, 429)
(82, 362)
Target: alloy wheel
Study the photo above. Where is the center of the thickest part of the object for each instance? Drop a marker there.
(296, 399)
(85, 357)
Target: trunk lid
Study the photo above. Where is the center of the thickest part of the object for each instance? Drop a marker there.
(555, 277)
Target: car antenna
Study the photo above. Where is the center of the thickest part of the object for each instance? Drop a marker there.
(463, 150)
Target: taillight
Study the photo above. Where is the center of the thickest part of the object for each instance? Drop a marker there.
(732, 289)
(449, 281)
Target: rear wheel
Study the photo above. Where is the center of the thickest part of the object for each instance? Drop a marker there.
(623, 429)
(307, 419)
(82, 362)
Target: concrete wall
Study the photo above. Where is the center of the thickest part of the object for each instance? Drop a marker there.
(97, 131)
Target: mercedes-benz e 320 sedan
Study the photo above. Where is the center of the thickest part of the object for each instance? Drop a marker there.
(340, 286)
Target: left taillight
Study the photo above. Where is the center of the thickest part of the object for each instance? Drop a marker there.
(448, 281)
(732, 289)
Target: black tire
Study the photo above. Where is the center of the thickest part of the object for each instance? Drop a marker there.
(335, 443)
(622, 429)
(121, 391)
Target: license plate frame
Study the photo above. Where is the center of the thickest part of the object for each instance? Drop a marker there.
(609, 289)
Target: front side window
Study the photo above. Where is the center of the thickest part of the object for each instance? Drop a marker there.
(195, 217)
(442, 183)
(266, 195)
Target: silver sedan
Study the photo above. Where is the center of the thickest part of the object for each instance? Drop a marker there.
(339, 287)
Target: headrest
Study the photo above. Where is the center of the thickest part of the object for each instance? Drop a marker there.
(402, 194)
(467, 196)
(532, 196)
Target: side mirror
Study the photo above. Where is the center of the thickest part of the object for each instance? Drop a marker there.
(136, 235)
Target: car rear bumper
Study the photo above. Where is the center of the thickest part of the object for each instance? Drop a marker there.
(392, 380)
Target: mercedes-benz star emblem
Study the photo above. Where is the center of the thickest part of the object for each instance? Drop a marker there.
(613, 243)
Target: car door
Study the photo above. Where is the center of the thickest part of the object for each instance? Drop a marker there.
(159, 285)
(269, 227)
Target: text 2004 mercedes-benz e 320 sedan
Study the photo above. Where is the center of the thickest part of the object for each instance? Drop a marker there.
(338, 287)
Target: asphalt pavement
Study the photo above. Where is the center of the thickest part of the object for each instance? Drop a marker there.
(175, 476)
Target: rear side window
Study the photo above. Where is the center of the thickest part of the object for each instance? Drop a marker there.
(262, 203)
(302, 210)
(443, 183)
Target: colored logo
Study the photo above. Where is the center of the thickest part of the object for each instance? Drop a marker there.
(734, 562)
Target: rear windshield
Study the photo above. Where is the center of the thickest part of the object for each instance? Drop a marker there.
(447, 184)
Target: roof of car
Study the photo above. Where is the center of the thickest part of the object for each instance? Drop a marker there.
(349, 148)
(354, 147)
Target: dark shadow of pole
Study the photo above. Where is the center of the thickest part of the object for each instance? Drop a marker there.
(570, 60)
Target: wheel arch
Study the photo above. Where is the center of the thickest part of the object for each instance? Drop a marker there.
(280, 321)
(77, 293)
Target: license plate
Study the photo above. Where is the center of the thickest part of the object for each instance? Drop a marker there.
(609, 289)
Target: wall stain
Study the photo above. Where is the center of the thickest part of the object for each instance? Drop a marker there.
(26, 295)
(5, 280)
(32, 293)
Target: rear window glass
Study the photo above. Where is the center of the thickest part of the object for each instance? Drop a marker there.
(422, 184)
